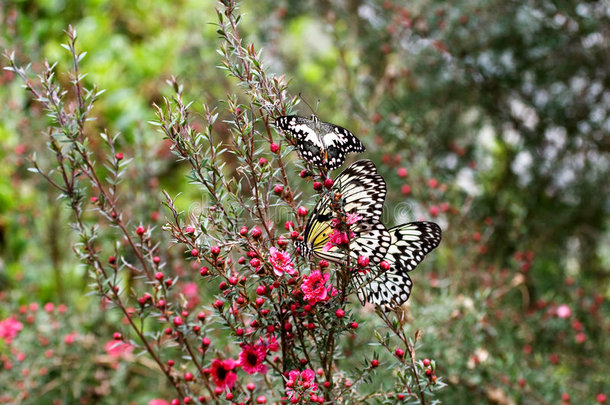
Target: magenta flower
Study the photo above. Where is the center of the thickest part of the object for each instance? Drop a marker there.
(191, 294)
(252, 357)
(270, 342)
(338, 238)
(281, 262)
(353, 218)
(117, 348)
(314, 287)
(301, 381)
(9, 329)
(70, 338)
(222, 372)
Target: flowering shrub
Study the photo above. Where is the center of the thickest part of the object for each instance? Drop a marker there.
(267, 315)
(41, 346)
(477, 118)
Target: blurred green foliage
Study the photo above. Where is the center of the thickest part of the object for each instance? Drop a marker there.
(504, 104)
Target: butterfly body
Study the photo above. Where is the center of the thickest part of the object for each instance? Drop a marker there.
(321, 143)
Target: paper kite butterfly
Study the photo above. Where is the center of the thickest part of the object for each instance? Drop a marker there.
(320, 143)
(403, 247)
(362, 192)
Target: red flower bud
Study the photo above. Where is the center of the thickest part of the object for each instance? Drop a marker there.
(256, 232)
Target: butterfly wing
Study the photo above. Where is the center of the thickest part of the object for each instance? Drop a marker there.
(371, 239)
(321, 143)
(409, 245)
(339, 142)
(308, 140)
(362, 192)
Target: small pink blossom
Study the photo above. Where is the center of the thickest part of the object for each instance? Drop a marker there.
(252, 357)
(9, 329)
(301, 381)
(340, 238)
(314, 287)
(272, 343)
(222, 372)
(353, 218)
(328, 246)
(191, 294)
(118, 349)
(281, 262)
(337, 238)
(563, 311)
(70, 338)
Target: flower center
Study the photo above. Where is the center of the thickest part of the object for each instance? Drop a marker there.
(252, 359)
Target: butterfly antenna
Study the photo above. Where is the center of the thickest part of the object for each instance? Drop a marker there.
(308, 105)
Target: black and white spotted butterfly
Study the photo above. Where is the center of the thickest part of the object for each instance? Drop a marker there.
(321, 143)
(362, 192)
(403, 247)
(410, 243)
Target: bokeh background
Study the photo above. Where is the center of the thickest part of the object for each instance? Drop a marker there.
(487, 116)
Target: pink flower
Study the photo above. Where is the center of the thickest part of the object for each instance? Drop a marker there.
(353, 218)
(157, 401)
(222, 372)
(301, 381)
(70, 338)
(281, 262)
(563, 311)
(314, 287)
(252, 357)
(191, 294)
(272, 343)
(9, 329)
(337, 238)
(116, 348)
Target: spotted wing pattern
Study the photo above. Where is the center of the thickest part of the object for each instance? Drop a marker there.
(371, 239)
(362, 192)
(409, 245)
(321, 143)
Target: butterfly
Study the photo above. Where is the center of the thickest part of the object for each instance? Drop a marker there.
(362, 192)
(409, 244)
(320, 143)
